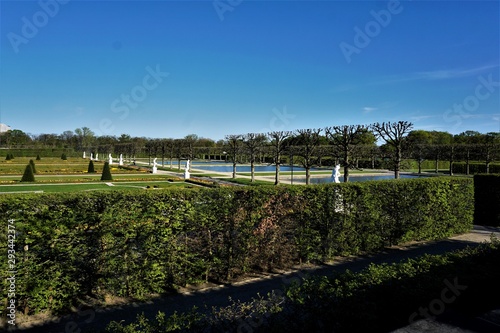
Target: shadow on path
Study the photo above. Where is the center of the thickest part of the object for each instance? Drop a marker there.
(95, 320)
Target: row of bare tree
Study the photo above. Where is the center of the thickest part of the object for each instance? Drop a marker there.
(344, 144)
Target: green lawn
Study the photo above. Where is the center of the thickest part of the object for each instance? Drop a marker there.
(78, 187)
(86, 178)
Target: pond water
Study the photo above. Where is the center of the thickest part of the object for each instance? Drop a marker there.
(228, 167)
(324, 180)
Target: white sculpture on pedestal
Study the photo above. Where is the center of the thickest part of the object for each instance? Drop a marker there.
(96, 156)
(336, 174)
(155, 168)
(83, 154)
(91, 156)
(186, 171)
(110, 159)
(121, 160)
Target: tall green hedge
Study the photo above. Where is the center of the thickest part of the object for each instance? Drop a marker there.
(487, 198)
(132, 244)
(474, 168)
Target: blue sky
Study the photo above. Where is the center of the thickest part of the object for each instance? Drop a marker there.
(212, 68)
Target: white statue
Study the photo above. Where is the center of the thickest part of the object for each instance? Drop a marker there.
(155, 166)
(336, 174)
(110, 159)
(96, 156)
(121, 160)
(186, 171)
(91, 156)
(83, 154)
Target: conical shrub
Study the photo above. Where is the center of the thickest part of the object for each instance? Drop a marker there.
(28, 175)
(106, 172)
(38, 157)
(63, 156)
(33, 166)
(91, 167)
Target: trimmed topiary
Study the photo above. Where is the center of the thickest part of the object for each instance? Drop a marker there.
(106, 172)
(91, 167)
(28, 175)
(33, 166)
(64, 157)
(38, 157)
(7, 158)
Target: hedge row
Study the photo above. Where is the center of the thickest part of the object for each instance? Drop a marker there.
(380, 298)
(72, 246)
(43, 152)
(475, 168)
(487, 200)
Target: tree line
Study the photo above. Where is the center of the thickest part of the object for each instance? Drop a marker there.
(347, 145)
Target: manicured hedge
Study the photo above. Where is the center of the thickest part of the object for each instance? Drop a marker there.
(487, 199)
(474, 168)
(70, 246)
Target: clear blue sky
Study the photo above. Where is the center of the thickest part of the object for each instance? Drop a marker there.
(172, 68)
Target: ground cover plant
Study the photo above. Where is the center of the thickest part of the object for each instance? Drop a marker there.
(380, 298)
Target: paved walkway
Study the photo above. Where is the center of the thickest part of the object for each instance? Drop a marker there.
(97, 319)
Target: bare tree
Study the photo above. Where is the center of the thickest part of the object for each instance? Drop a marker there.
(278, 146)
(393, 133)
(189, 144)
(253, 145)
(345, 138)
(234, 143)
(307, 142)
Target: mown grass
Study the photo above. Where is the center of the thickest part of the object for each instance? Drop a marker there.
(76, 187)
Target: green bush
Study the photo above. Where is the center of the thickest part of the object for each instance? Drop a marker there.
(474, 168)
(33, 166)
(106, 172)
(487, 200)
(135, 244)
(63, 156)
(38, 157)
(91, 168)
(28, 175)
